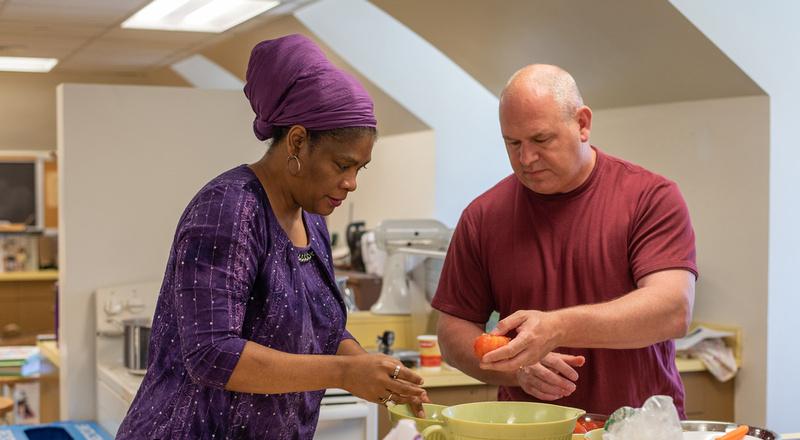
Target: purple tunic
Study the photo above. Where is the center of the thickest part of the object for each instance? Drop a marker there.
(233, 276)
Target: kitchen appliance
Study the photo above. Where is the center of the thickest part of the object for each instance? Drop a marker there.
(353, 233)
(137, 340)
(409, 358)
(347, 294)
(342, 416)
(400, 238)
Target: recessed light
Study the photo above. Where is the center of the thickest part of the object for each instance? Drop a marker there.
(27, 64)
(197, 15)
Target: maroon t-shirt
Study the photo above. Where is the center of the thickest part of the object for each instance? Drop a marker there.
(514, 249)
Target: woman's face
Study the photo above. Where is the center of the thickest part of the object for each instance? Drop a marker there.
(328, 171)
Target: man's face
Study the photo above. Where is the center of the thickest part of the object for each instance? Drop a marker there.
(547, 149)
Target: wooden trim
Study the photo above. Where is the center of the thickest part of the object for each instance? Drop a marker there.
(39, 275)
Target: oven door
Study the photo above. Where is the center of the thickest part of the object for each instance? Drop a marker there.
(346, 417)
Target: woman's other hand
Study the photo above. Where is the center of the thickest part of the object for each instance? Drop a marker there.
(380, 378)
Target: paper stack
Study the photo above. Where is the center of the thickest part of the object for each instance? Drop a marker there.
(21, 360)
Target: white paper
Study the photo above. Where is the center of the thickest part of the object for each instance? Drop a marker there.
(697, 335)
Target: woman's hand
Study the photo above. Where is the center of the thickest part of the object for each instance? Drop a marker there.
(370, 377)
(552, 378)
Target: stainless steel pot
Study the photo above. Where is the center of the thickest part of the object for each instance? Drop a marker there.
(137, 341)
(347, 293)
(721, 427)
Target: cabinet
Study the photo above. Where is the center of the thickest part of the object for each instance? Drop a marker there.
(707, 398)
(27, 306)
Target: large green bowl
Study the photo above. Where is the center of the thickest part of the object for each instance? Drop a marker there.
(595, 434)
(433, 415)
(505, 420)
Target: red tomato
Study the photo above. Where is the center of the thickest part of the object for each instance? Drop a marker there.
(594, 424)
(583, 426)
(486, 343)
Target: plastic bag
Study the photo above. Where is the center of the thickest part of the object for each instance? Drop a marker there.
(657, 419)
(405, 430)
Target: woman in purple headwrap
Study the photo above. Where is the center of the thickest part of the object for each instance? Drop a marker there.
(249, 329)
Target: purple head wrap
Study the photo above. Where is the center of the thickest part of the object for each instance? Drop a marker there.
(290, 81)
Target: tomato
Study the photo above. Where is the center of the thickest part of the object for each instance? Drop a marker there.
(583, 426)
(486, 343)
(594, 424)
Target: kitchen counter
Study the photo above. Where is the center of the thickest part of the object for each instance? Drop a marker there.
(449, 376)
(39, 275)
(120, 380)
(446, 377)
(126, 384)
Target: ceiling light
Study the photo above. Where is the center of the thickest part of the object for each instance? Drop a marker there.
(197, 15)
(25, 64)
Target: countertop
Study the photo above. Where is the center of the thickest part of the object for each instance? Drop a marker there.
(446, 377)
(120, 380)
(126, 384)
(39, 275)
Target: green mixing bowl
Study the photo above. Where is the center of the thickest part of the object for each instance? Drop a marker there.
(433, 415)
(595, 434)
(505, 420)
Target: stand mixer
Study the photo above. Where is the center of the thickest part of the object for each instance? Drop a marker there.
(400, 238)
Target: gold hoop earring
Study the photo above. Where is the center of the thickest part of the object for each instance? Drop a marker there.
(289, 161)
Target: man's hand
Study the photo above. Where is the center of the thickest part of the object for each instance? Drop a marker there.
(537, 335)
(552, 378)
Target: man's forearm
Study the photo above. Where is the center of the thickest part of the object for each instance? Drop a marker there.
(659, 310)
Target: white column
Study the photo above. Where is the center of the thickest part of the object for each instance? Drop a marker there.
(762, 39)
(470, 156)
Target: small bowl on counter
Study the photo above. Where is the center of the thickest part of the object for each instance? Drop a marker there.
(699, 429)
(587, 423)
(705, 430)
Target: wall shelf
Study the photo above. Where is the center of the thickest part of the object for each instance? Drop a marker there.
(39, 275)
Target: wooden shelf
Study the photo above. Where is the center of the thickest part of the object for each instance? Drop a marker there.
(49, 350)
(39, 275)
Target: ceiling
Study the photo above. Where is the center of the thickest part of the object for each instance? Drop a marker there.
(621, 52)
(85, 35)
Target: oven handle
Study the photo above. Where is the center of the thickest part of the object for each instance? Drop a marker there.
(344, 411)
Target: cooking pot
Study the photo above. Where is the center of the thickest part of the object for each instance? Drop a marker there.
(137, 341)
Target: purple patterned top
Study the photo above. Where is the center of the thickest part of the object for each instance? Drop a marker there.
(233, 276)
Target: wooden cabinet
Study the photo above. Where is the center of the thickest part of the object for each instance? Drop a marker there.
(707, 398)
(27, 308)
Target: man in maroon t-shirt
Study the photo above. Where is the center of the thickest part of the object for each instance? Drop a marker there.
(589, 259)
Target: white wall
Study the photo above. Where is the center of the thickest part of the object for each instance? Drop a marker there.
(463, 114)
(762, 39)
(130, 159)
(715, 151)
(397, 184)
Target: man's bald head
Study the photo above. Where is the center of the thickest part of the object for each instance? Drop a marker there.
(540, 80)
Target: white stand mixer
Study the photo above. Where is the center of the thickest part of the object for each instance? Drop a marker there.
(399, 238)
